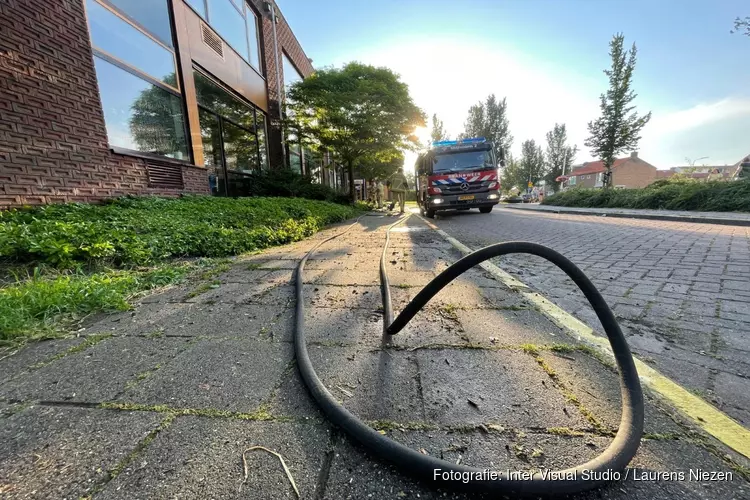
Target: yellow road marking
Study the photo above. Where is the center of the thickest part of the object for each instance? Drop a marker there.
(712, 420)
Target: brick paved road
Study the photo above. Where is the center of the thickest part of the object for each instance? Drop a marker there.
(680, 290)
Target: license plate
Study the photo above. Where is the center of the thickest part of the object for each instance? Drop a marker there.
(466, 197)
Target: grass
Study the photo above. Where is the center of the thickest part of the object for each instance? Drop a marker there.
(41, 306)
(61, 263)
(668, 194)
(147, 230)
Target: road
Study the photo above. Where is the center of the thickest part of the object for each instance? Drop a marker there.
(680, 290)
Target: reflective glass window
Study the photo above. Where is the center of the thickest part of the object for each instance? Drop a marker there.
(113, 35)
(199, 6)
(291, 74)
(220, 101)
(229, 23)
(152, 15)
(261, 121)
(253, 39)
(139, 115)
(240, 148)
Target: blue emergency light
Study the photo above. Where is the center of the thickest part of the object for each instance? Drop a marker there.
(473, 140)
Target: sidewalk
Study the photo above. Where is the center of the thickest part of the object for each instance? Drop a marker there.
(161, 402)
(728, 218)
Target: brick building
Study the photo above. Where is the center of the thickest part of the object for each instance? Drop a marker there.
(629, 172)
(102, 98)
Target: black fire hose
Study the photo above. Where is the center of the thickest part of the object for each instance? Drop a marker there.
(576, 479)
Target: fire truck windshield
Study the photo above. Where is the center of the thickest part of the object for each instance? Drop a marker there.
(462, 161)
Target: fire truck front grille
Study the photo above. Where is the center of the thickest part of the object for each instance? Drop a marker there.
(474, 187)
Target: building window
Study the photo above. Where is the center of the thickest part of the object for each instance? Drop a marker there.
(236, 22)
(572, 181)
(291, 75)
(152, 16)
(234, 137)
(137, 76)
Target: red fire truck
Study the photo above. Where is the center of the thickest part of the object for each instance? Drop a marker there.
(458, 175)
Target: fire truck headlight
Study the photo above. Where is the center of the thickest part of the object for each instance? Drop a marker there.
(492, 197)
(437, 201)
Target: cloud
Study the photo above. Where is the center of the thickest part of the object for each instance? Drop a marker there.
(447, 76)
(698, 116)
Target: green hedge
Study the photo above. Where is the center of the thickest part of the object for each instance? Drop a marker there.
(682, 194)
(143, 230)
(286, 182)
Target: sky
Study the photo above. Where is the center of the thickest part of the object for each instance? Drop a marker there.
(547, 58)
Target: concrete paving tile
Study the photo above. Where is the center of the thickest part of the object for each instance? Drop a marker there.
(96, 374)
(674, 457)
(507, 387)
(732, 393)
(431, 326)
(372, 385)
(347, 326)
(56, 452)
(14, 361)
(355, 474)
(366, 277)
(598, 389)
(242, 273)
(202, 458)
(266, 262)
(237, 293)
(490, 327)
(226, 374)
(673, 366)
(359, 297)
(195, 319)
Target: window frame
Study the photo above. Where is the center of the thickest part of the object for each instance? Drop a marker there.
(221, 119)
(128, 68)
(112, 59)
(243, 8)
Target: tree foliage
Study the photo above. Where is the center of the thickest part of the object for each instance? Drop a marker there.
(531, 165)
(489, 119)
(437, 132)
(742, 26)
(511, 176)
(559, 155)
(618, 128)
(363, 113)
(155, 123)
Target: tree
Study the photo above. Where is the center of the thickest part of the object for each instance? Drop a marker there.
(363, 113)
(531, 164)
(489, 119)
(559, 156)
(438, 132)
(742, 26)
(512, 177)
(619, 126)
(153, 122)
(380, 169)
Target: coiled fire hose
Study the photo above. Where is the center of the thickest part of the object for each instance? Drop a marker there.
(576, 479)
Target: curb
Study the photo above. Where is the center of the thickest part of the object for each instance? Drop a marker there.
(704, 415)
(622, 215)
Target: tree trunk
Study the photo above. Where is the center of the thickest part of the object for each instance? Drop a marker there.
(352, 191)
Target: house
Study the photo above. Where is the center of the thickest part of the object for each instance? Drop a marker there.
(708, 172)
(630, 172)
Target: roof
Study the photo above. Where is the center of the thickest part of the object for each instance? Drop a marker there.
(594, 167)
(663, 174)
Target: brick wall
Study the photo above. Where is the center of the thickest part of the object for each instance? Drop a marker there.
(53, 141)
(289, 44)
(635, 173)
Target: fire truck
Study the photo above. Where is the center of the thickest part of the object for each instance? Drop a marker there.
(458, 175)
